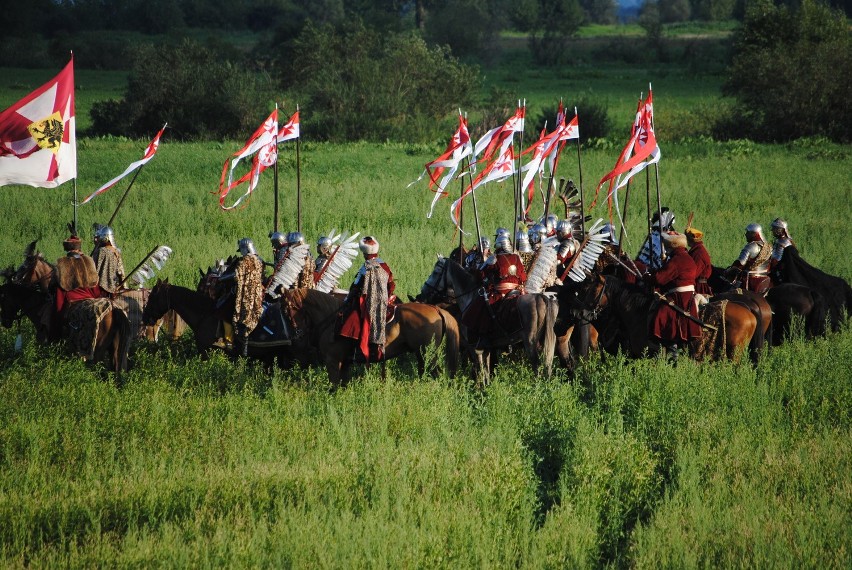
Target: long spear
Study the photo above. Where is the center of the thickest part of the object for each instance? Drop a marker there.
(123, 196)
(275, 182)
(580, 172)
(516, 183)
(298, 182)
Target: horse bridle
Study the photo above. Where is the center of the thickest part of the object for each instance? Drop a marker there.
(595, 307)
(444, 294)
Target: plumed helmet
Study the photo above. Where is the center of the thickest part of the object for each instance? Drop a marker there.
(564, 229)
(779, 228)
(501, 232)
(277, 239)
(667, 217)
(368, 245)
(537, 232)
(323, 245)
(522, 242)
(295, 238)
(754, 232)
(105, 235)
(610, 229)
(550, 223)
(502, 244)
(246, 247)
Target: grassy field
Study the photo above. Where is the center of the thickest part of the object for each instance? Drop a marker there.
(215, 463)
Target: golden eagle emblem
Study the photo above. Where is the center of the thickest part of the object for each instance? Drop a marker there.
(48, 132)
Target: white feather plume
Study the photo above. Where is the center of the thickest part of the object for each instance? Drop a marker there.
(289, 270)
(541, 269)
(339, 262)
(151, 265)
(590, 250)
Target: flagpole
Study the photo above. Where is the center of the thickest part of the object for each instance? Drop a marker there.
(516, 183)
(648, 202)
(475, 212)
(461, 222)
(275, 181)
(623, 217)
(580, 172)
(123, 196)
(298, 181)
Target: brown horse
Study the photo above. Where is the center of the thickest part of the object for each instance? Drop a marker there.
(112, 336)
(537, 313)
(413, 328)
(629, 308)
(36, 271)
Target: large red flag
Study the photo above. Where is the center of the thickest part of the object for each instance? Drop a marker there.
(38, 144)
(263, 145)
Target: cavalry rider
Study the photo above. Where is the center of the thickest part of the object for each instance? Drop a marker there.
(279, 245)
(503, 274)
(568, 246)
(676, 279)
(77, 280)
(753, 261)
(306, 277)
(524, 249)
(284, 275)
(365, 307)
(650, 256)
(246, 274)
(323, 253)
(550, 222)
(108, 262)
(477, 255)
(782, 242)
(537, 234)
(701, 257)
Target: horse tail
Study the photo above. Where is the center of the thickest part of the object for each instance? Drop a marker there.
(124, 333)
(758, 339)
(815, 324)
(451, 334)
(552, 311)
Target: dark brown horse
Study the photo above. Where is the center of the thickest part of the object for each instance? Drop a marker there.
(112, 337)
(413, 328)
(629, 307)
(537, 313)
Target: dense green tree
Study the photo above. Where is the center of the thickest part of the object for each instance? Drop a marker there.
(550, 24)
(600, 11)
(790, 74)
(358, 84)
(194, 88)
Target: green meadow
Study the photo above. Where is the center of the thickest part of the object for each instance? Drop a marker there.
(621, 463)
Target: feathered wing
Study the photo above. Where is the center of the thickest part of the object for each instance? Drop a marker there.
(151, 265)
(589, 252)
(290, 269)
(338, 263)
(541, 269)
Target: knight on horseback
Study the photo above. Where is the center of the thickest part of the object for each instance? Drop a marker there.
(324, 244)
(782, 241)
(477, 255)
(294, 267)
(676, 279)
(108, 262)
(650, 256)
(752, 266)
(364, 310)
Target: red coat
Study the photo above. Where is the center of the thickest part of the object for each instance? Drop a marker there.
(704, 268)
(65, 298)
(669, 324)
(504, 275)
(355, 324)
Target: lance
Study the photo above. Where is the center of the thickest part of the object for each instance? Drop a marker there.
(461, 222)
(634, 270)
(275, 182)
(516, 184)
(74, 219)
(623, 217)
(684, 313)
(475, 212)
(580, 172)
(298, 182)
(123, 196)
(648, 204)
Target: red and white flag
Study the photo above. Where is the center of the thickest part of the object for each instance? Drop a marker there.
(289, 131)
(498, 138)
(500, 169)
(546, 150)
(263, 145)
(38, 143)
(150, 151)
(443, 169)
(641, 150)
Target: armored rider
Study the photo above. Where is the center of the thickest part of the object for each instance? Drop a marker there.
(676, 280)
(365, 307)
(503, 274)
(477, 255)
(108, 262)
(650, 256)
(752, 266)
(781, 233)
(323, 253)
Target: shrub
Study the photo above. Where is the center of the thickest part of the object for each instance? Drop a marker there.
(360, 85)
(785, 74)
(196, 90)
(594, 119)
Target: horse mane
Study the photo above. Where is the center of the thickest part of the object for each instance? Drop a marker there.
(468, 279)
(632, 297)
(194, 300)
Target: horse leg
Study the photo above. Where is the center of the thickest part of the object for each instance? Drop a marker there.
(563, 348)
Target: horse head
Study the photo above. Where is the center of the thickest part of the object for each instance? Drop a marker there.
(435, 286)
(591, 294)
(159, 303)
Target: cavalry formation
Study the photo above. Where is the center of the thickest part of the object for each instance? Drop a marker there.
(554, 290)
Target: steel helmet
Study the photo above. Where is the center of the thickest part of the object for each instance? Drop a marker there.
(537, 232)
(246, 247)
(754, 232)
(278, 239)
(550, 223)
(564, 229)
(779, 228)
(295, 238)
(484, 244)
(502, 243)
(501, 232)
(105, 235)
(609, 228)
(667, 217)
(323, 245)
(522, 242)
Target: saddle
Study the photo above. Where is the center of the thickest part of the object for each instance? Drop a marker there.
(81, 322)
(273, 329)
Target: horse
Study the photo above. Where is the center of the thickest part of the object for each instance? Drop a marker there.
(199, 312)
(112, 337)
(36, 271)
(537, 313)
(413, 327)
(629, 307)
